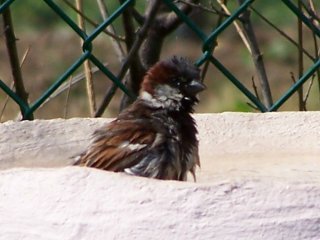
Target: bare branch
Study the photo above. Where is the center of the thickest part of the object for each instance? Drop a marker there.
(310, 9)
(255, 89)
(14, 59)
(200, 6)
(302, 106)
(5, 103)
(282, 33)
(170, 21)
(308, 92)
(293, 78)
(316, 46)
(257, 58)
(115, 41)
(222, 14)
(138, 17)
(67, 97)
(136, 71)
(140, 36)
(23, 59)
(65, 86)
(252, 106)
(164, 24)
(86, 64)
(239, 30)
(119, 38)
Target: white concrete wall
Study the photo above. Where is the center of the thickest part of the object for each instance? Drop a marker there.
(260, 179)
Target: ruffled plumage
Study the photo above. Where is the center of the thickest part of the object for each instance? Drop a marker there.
(156, 136)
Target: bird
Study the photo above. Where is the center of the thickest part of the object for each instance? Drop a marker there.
(156, 136)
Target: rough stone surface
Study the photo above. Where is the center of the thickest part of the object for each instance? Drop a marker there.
(260, 179)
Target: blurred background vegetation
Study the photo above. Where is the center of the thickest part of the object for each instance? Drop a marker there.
(47, 47)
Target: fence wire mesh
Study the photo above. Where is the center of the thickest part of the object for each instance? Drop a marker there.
(208, 42)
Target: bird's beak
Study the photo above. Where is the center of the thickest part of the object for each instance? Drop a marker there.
(194, 87)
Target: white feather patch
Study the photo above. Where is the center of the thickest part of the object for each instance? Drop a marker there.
(165, 96)
(128, 171)
(146, 96)
(158, 140)
(132, 146)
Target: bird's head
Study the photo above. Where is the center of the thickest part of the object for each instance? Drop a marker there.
(172, 84)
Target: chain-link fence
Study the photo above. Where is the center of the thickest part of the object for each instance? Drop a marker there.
(208, 42)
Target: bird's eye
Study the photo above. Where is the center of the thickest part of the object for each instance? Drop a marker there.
(183, 79)
(178, 81)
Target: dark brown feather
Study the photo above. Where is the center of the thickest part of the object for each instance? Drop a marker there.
(156, 136)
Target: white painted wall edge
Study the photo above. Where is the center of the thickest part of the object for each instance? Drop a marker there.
(259, 180)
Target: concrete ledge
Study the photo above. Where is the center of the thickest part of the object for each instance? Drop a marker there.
(259, 179)
(75, 203)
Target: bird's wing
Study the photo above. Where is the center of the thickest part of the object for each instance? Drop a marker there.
(120, 145)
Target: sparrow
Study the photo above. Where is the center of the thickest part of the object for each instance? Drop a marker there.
(156, 136)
